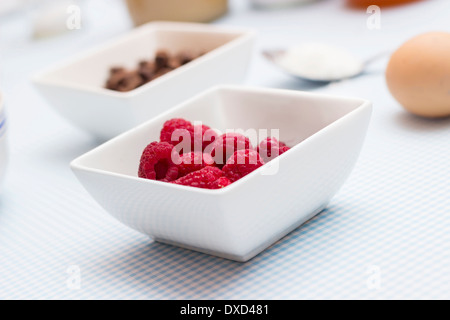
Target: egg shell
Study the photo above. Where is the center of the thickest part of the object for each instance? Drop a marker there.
(418, 75)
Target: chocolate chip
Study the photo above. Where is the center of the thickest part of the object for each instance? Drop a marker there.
(185, 57)
(114, 79)
(174, 63)
(146, 70)
(161, 72)
(131, 80)
(161, 59)
(121, 79)
(114, 70)
(124, 80)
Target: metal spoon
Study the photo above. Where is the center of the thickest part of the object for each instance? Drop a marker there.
(275, 57)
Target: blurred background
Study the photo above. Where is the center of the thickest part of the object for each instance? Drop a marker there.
(37, 33)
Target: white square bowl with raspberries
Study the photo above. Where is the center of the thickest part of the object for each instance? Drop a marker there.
(76, 88)
(237, 222)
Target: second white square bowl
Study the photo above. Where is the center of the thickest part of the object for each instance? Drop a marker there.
(239, 221)
(76, 88)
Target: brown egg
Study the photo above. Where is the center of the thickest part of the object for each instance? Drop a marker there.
(418, 75)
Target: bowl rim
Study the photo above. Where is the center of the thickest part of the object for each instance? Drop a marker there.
(242, 35)
(75, 164)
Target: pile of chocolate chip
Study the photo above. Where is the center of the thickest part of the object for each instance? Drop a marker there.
(122, 79)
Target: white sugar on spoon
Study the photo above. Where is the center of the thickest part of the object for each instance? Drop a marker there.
(318, 62)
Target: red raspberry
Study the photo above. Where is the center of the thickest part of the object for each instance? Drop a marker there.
(175, 130)
(220, 183)
(269, 149)
(226, 145)
(193, 161)
(241, 164)
(157, 162)
(284, 149)
(203, 178)
(208, 136)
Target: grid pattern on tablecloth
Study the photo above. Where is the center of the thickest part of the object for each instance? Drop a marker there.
(385, 235)
(2, 123)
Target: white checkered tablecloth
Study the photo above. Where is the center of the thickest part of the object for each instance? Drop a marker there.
(385, 235)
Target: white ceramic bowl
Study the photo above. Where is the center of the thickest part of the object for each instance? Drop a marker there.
(3, 142)
(76, 88)
(239, 221)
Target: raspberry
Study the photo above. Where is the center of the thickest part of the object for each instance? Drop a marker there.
(220, 183)
(269, 149)
(175, 130)
(226, 145)
(242, 163)
(203, 178)
(193, 161)
(157, 162)
(284, 149)
(208, 136)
